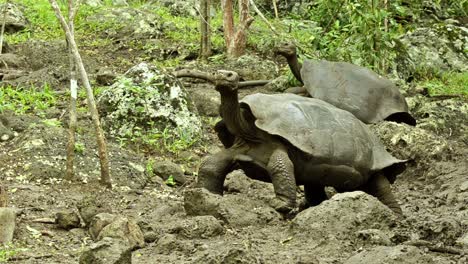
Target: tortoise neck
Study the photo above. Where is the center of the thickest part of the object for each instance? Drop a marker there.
(230, 111)
(295, 66)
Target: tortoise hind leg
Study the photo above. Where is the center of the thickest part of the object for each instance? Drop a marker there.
(379, 186)
(314, 195)
(213, 171)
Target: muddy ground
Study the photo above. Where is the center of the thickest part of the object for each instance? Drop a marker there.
(242, 227)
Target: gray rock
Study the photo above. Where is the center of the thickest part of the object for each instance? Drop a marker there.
(88, 211)
(463, 241)
(67, 220)
(128, 22)
(124, 229)
(7, 224)
(235, 210)
(199, 201)
(431, 48)
(198, 227)
(464, 186)
(278, 84)
(374, 236)
(391, 255)
(252, 67)
(105, 76)
(107, 251)
(442, 117)
(10, 61)
(15, 19)
(166, 169)
(151, 236)
(207, 100)
(182, 7)
(413, 143)
(98, 222)
(238, 182)
(157, 104)
(170, 243)
(93, 3)
(343, 215)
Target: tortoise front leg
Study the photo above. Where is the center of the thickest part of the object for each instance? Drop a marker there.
(213, 171)
(281, 171)
(379, 186)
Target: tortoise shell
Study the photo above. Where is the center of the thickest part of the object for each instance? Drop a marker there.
(321, 131)
(356, 89)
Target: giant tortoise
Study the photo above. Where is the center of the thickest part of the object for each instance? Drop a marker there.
(367, 95)
(292, 140)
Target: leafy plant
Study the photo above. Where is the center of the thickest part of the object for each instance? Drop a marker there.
(80, 148)
(9, 251)
(448, 83)
(53, 122)
(170, 181)
(150, 168)
(23, 100)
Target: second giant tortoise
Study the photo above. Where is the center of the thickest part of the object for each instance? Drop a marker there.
(353, 88)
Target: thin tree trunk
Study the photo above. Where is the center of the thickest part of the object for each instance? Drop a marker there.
(70, 172)
(101, 142)
(3, 196)
(5, 6)
(275, 8)
(236, 41)
(205, 43)
(228, 21)
(263, 17)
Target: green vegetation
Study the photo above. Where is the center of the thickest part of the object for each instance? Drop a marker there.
(23, 100)
(170, 181)
(449, 83)
(80, 148)
(8, 251)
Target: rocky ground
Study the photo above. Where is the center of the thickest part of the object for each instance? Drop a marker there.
(147, 220)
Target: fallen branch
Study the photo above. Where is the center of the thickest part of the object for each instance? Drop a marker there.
(19, 258)
(253, 83)
(44, 220)
(436, 248)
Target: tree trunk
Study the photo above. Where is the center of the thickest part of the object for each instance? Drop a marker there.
(70, 172)
(2, 31)
(101, 142)
(205, 43)
(236, 41)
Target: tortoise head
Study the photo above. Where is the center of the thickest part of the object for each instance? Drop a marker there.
(286, 49)
(226, 80)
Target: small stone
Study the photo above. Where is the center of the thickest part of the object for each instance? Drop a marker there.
(151, 236)
(105, 76)
(98, 222)
(166, 169)
(463, 241)
(374, 236)
(124, 229)
(107, 251)
(7, 224)
(67, 220)
(464, 186)
(5, 137)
